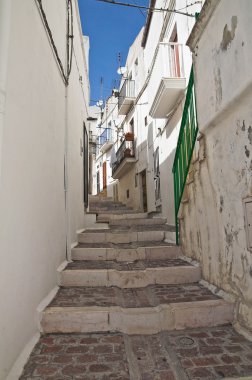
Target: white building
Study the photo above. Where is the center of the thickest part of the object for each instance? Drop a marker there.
(151, 100)
(44, 97)
(216, 224)
(107, 136)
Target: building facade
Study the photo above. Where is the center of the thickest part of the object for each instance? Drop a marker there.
(150, 105)
(44, 90)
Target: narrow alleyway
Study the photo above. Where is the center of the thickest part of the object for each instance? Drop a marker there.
(130, 306)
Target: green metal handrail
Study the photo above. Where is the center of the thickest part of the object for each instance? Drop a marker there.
(185, 146)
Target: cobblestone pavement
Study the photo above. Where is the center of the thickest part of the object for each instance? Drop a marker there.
(152, 295)
(126, 266)
(199, 354)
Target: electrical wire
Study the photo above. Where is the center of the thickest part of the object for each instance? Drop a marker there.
(140, 10)
(138, 104)
(152, 9)
(69, 37)
(50, 35)
(190, 5)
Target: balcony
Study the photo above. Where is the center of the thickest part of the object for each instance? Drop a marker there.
(105, 140)
(126, 96)
(125, 158)
(168, 89)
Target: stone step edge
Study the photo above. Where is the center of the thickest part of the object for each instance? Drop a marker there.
(151, 320)
(138, 222)
(132, 215)
(238, 378)
(125, 237)
(129, 279)
(126, 254)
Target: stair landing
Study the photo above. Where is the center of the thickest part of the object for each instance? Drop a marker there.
(130, 307)
(198, 354)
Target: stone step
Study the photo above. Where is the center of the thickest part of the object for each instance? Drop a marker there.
(97, 198)
(105, 202)
(119, 212)
(139, 221)
(102, 209)
(126, 252)
(135, 311)
(123, 237)
(107, 205)
(107, 217)
(128, 275)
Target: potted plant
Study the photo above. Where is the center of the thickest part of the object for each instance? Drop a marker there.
(129, 136)
(127, 152)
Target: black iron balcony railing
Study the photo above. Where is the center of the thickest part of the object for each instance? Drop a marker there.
(127, 91)
(126, 150)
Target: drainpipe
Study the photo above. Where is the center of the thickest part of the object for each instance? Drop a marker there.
(5, 21)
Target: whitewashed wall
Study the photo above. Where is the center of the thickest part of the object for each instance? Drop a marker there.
(37, 127)
(214, 226)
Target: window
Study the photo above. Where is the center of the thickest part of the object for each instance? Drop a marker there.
(136, 67)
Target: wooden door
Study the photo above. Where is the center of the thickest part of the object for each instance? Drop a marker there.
(144, 190)
(104, 174)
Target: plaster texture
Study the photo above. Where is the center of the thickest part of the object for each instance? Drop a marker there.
(40, 131)
(213, 224)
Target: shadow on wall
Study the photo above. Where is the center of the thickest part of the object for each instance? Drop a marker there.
(167, 188)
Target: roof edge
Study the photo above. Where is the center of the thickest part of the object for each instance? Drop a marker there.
(201, 23)
(148, 22)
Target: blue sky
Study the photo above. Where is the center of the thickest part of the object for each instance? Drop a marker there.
(111, 29)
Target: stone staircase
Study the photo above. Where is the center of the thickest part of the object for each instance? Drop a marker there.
(130, 306)
(99, 204)
(129, 278)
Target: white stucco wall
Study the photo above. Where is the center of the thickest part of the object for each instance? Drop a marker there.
(159, 133)
(77, 112)
(213, 230)
(32, 198)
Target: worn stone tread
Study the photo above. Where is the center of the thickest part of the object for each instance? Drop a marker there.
(135, 244)
(133, 228)
(126, 266)
(150, 296)
(197, 354)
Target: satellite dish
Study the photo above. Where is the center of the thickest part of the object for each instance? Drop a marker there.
(117, 122)
(115, 92)
(99, 103)
(121, 70)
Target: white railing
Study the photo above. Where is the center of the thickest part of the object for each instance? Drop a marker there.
(127, 91)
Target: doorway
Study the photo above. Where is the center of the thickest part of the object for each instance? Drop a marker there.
(104, 175)
(144, 190)
(175, 56)
(157, 175)
(98, 182)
